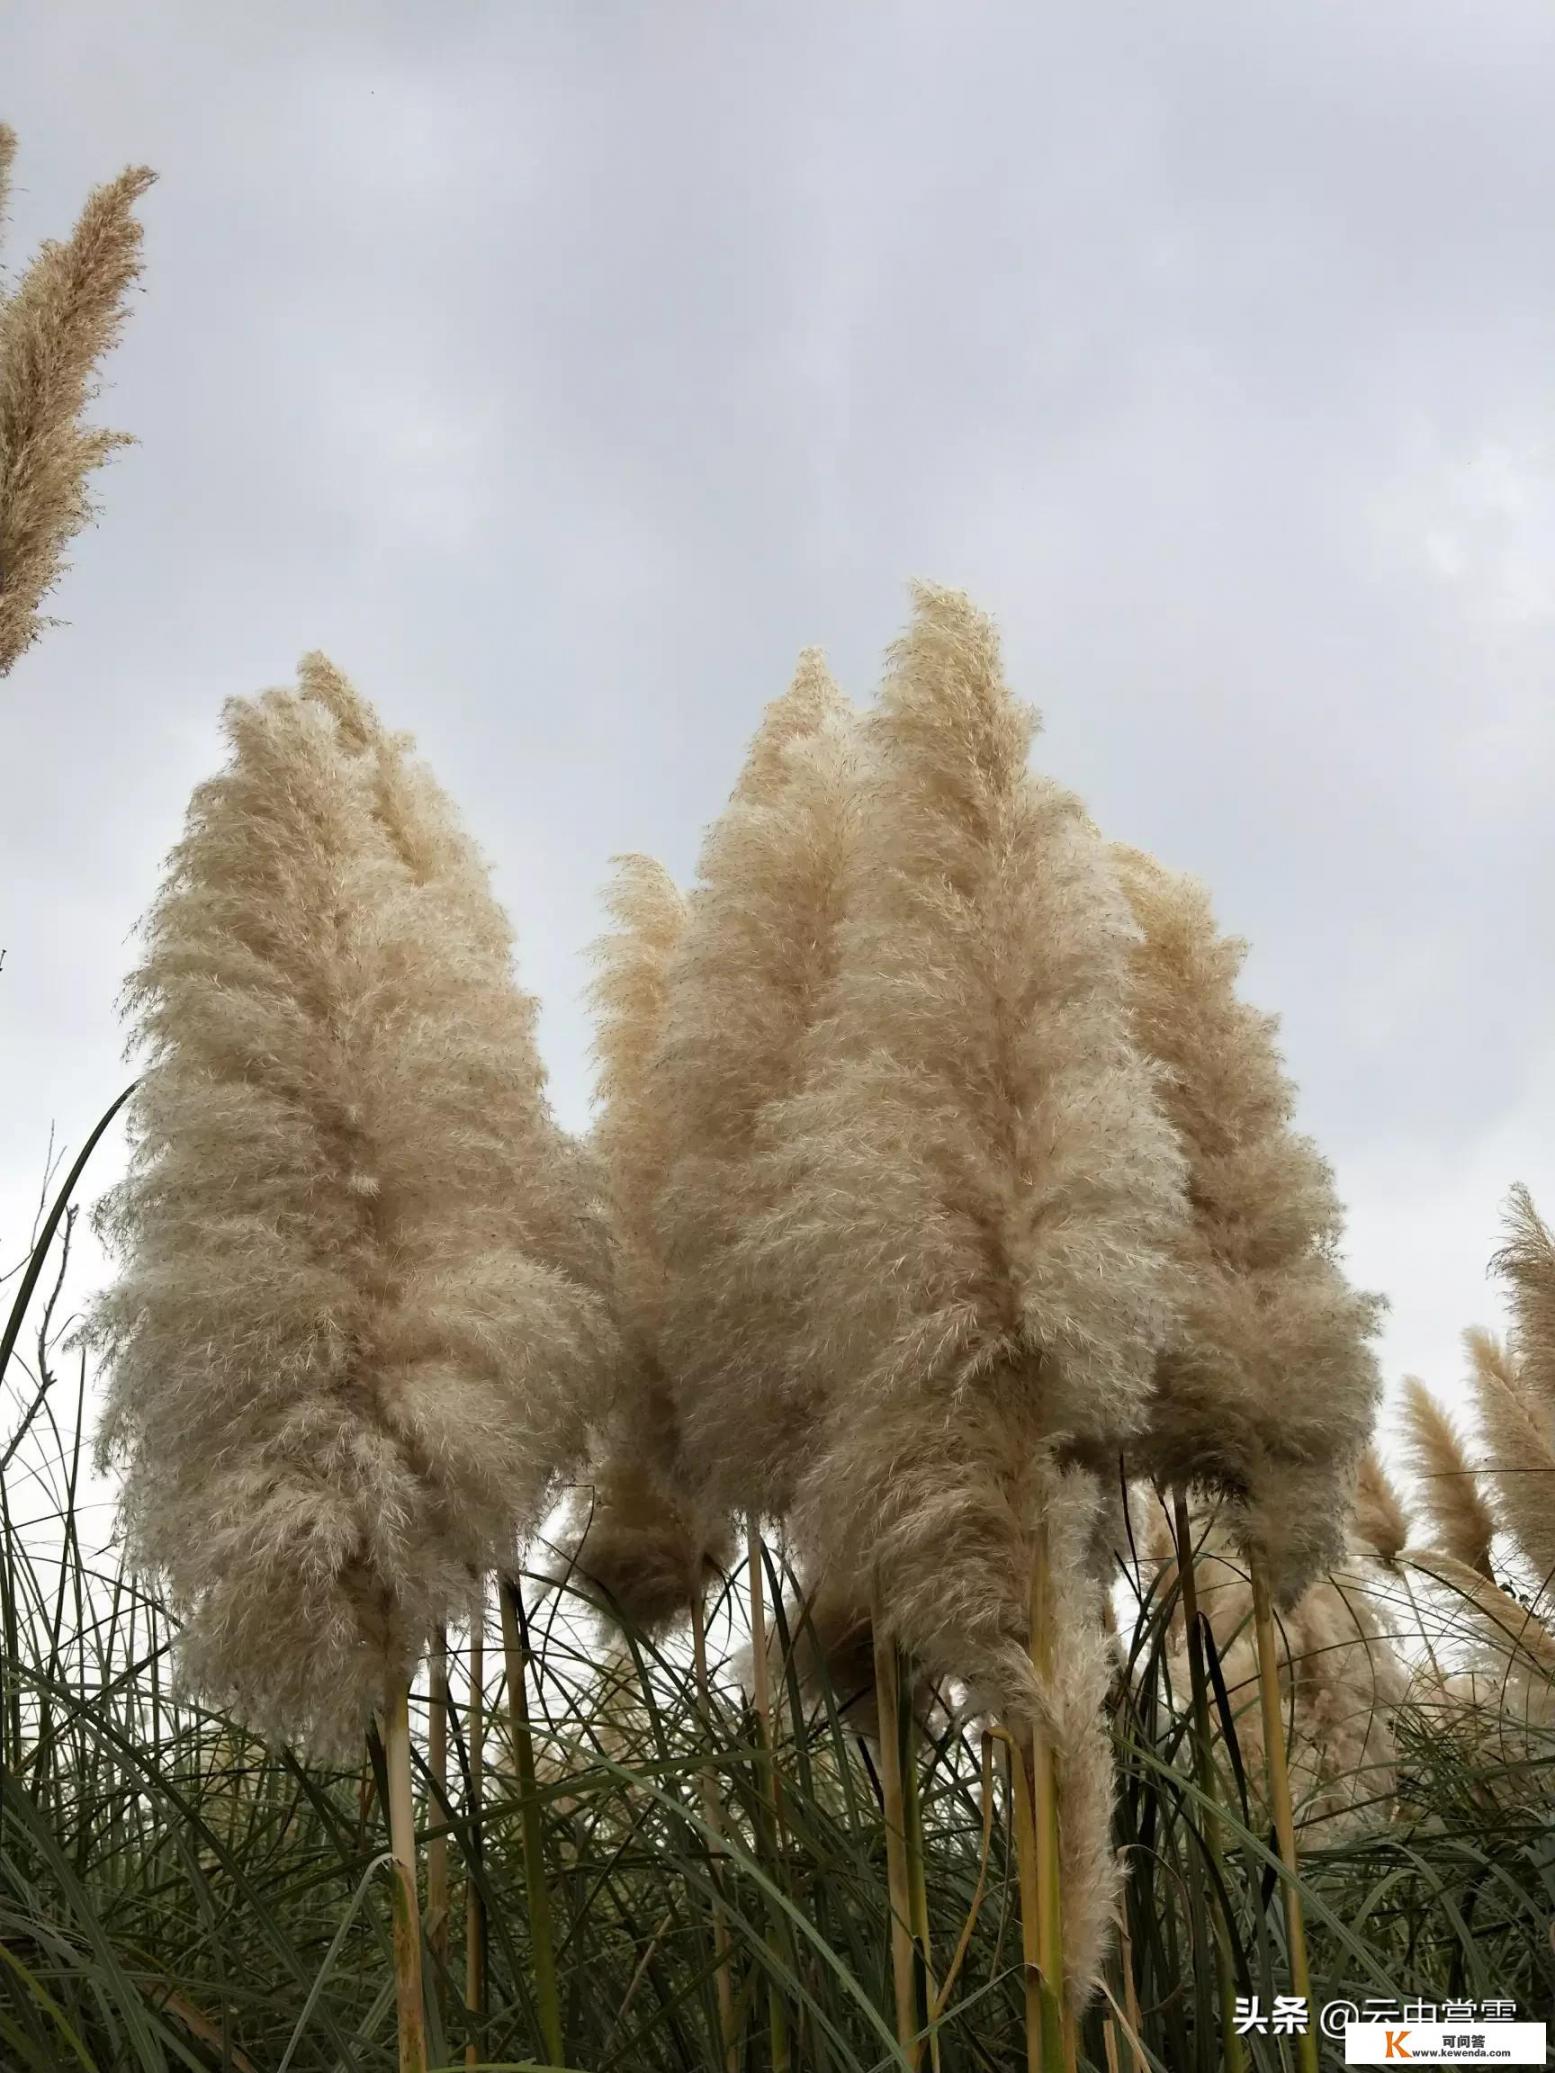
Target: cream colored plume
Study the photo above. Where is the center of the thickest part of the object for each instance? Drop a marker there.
(634, 1538)
(1527, 1264)
(1520, 1413)
(1461, 1522)
(976, 1186)
(57, 323)
(1268, 1396)
(1518, 1431)
(637, 1534)
(970, 1204)
(359, 1331)
(1379, 1522)
(753, 967)
(632, 1136)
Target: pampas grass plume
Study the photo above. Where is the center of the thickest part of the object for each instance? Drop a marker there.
(353, 1340)
(972, 1199)
(1462, 1524)
(979, 1187)
(744, 990)
(1379, 1521)
(1268, 1396)
(64, 314)
(636, 1533)
(1527, 1264)
(632, 1135)
(1519, 1441)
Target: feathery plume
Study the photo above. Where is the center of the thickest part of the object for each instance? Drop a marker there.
(64, 314)
(635, 1532)
(346, 1373)
(1527, 1263)
(1379, 1521)
(971, 1198)
(976, 1185)
(752, 969)
(632, 1136)
(7, 158)
(1462, 1524)
(1268, 1395)
(1519, 1465)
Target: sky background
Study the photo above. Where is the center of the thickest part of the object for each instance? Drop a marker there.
(562, 370)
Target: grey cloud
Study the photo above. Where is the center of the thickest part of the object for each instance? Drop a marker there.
(563, 370)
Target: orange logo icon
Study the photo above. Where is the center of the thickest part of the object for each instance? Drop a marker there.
(1396, 2047)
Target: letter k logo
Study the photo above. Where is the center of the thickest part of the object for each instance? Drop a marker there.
(1396, 2047)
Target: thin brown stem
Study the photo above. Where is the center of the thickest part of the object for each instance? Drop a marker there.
(474, 1908)
(1204, 1765)
(1018, 1761)
(898, 1884)
(536, 1891)
(766, 1726)
(712, 1814)
(1058, 2037)
(964, 1941)
(437, 1769)
(407, 1916)
(1280, 1805)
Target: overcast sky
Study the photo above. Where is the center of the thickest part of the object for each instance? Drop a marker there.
(562, 370)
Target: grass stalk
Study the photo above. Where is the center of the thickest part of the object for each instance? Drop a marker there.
(898, 1876)
(1019, 1763)
(712, 1813)
(761, 1679)
(1233, 2054)
(917, 1869)
(437, 1769)
(407, 1918)
(474, 1907)
(984, 1852)
(536, 1891)
(1280, 1806)
(1133, 2015)
(1059, 2046)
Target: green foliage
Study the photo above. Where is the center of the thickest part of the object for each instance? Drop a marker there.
(175, 1894)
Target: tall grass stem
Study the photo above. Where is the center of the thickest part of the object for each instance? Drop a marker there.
(1280, 1806)
(1233, 2056)
(1058, 2035)
(437, 1771)
(407, 1918)
(712, 1813)
(536, 1891)
(474, 1906)
(898, 1878)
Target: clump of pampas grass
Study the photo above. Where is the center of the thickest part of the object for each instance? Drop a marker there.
(56, 324)
(975, 1189)
(638, 1532)
(1267, 1395)
(360, 1325)
(971, 1199)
